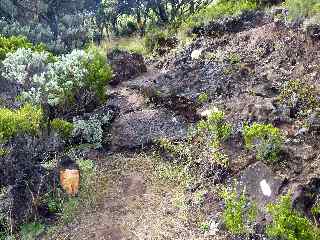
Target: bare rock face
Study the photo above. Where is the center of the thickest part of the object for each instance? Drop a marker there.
(125, 65)
(142, 128)
(261, 184)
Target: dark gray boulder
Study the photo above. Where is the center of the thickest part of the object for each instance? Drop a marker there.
(125, 65)
(306, 196)
(260, 183)
(142, 128)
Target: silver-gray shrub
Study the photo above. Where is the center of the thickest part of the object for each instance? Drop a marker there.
(52, 81)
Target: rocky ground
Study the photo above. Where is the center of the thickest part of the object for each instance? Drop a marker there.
(241, 66)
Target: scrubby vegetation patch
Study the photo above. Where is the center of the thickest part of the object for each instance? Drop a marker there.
(265, 140)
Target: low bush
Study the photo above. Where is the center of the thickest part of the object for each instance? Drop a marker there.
(89, 131)
(31, 231)
(288, 224)
(265, 140)
(58, 81)
(239, 213)
(215, 126)
(217, 10)
(26, 120)
(11, 44)
(20, 66)
(98, 73)
(62, 127)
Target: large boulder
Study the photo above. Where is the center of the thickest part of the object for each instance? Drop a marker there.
(261, 184)
(142, 128)
(125, 65)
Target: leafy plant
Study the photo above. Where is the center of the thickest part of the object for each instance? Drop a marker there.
(4, 152)
(203, 97)
(62, 127)
(203, 142)
(238, 214)
(27, 119)
(31, 231)
(204, 226)
(265, 139)
(12, 44)
(288, 224)
(98, 73)
(215, 126)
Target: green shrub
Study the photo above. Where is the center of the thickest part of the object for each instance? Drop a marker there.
(216, 126)
(238, 214)
(31, 231)
(234, 58)
(203, 97)
(99, 72)
(297, 93)
(217, 10)
(4, 152)
(11, 44)
(62, 127)
(27, 119)
(299, 9)
(265, 139)
(288, 224)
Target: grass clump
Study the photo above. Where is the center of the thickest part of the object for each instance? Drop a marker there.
(132, 44)
(288, 224)
(238, 214)
(26, 120)
(62, 127)
(265, 139)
